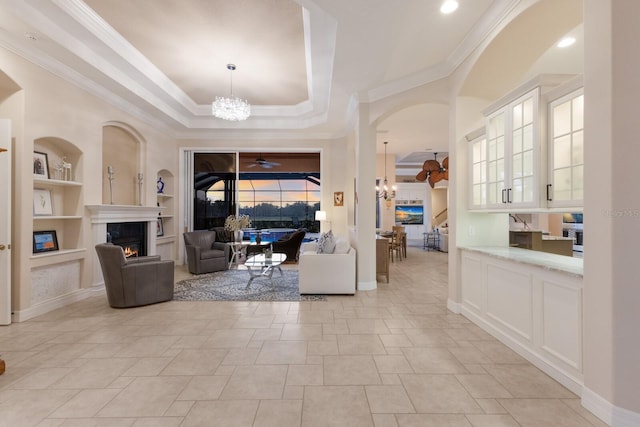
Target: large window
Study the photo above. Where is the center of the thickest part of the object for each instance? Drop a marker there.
(276, 200)
(281, 192)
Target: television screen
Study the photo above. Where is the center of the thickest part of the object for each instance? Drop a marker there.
(410, 214)
(572, 218)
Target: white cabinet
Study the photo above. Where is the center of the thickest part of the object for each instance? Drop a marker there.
(513, 148)
(414, 196)
(526, 160)
(565, 187)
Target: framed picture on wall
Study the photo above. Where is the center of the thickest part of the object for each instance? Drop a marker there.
(40, 165)
(338, 198)
(45, 241)
(160, 228)
(42, 202)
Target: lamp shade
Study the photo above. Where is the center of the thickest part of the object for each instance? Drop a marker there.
(321, 215)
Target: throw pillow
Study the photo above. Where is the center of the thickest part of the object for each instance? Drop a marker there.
(342, 246)
(326, 243)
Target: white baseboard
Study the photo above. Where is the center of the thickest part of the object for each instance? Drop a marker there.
(54, 303)
(454, 307)
(607, 412)
(566, 379)
(367, 286)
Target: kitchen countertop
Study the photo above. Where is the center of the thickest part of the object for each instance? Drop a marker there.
(564, 264)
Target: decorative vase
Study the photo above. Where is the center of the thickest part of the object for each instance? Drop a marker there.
(238, 235)
(258, 237)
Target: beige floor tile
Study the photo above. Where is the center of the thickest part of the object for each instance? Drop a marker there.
(384, 420)
(179, 408)
(429, 420)
(350, 370)
(335, 328)
(334, 406)
(254, 322)
(147, 367)
(271, 334)
(491, 406)
(97, 422)
(429, 338)
(235, 413)
(29, 407)
(394, 364)
(293, 392)
(158, 422)
(577, 406)
(439, 394)
(229, 338)
(543, 413)
(241, 356)
(306, 317)
(85, 404)
(527, 381)
(295, 332)
(322, 348)
(305, 375)
(360, 344)
(203, 387)
(367, 326)
(433, 361)
(145, 397)
(95, 373)
(40, 378)
(282, 353)
(469, 355)
(498, 352)
(397, 340)
(492, 421)
(388, 399)
(278, 413)
(151, 346)
(256, 382)
(192, 361)
(483, 386)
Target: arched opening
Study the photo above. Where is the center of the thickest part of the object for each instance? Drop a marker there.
(121, 164)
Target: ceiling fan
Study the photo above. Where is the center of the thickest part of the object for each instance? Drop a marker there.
(264, 164)
(433, 171)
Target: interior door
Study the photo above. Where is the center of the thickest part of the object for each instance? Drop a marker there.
(5, 222)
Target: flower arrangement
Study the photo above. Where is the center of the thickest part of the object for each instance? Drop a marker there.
(235, 223)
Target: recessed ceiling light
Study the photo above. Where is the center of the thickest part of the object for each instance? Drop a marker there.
(31, 36)
(566, 41)
(449, 6)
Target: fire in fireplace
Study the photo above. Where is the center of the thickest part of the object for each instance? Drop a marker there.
(131, 236)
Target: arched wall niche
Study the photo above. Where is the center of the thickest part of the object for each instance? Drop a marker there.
(123, 149)
(59, 150)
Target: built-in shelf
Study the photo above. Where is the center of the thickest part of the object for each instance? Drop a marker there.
(166, 196)
(166, 216)
(165, 239)
(56, 182)
(57, 257)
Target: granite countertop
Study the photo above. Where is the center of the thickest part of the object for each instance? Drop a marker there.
(563, 264)
(547, 237)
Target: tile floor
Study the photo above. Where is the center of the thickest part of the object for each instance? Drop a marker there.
(390, 357)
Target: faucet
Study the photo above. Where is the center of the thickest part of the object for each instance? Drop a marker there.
(516, 218)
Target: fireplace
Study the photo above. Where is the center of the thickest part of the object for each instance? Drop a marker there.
(131, 236)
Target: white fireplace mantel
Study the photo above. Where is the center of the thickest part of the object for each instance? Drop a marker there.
(104, 214)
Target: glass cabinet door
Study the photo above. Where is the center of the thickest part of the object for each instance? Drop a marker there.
(495, 159)
(566, 159)
(521, 189)
(478, 172)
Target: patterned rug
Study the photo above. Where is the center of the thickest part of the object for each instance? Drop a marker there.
(231, 285)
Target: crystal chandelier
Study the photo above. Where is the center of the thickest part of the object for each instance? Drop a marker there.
(385, 193)
(231, 108)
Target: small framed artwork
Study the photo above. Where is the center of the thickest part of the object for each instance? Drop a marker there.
(160, 228)
(338, 198)
(42, 202)
(40, 165)
(45, 241)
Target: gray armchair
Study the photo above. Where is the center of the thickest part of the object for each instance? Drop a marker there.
(135, 281)
(204, 254)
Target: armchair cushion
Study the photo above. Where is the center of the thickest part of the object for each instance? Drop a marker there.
(136, 281)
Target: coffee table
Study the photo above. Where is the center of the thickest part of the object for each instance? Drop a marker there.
(237, 250)
(261, 266)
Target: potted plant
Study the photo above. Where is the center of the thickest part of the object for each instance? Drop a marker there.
(237, 224)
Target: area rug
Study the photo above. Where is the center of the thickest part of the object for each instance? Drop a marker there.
(231, 285)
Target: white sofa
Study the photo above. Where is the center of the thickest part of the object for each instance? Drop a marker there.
(326, 273)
